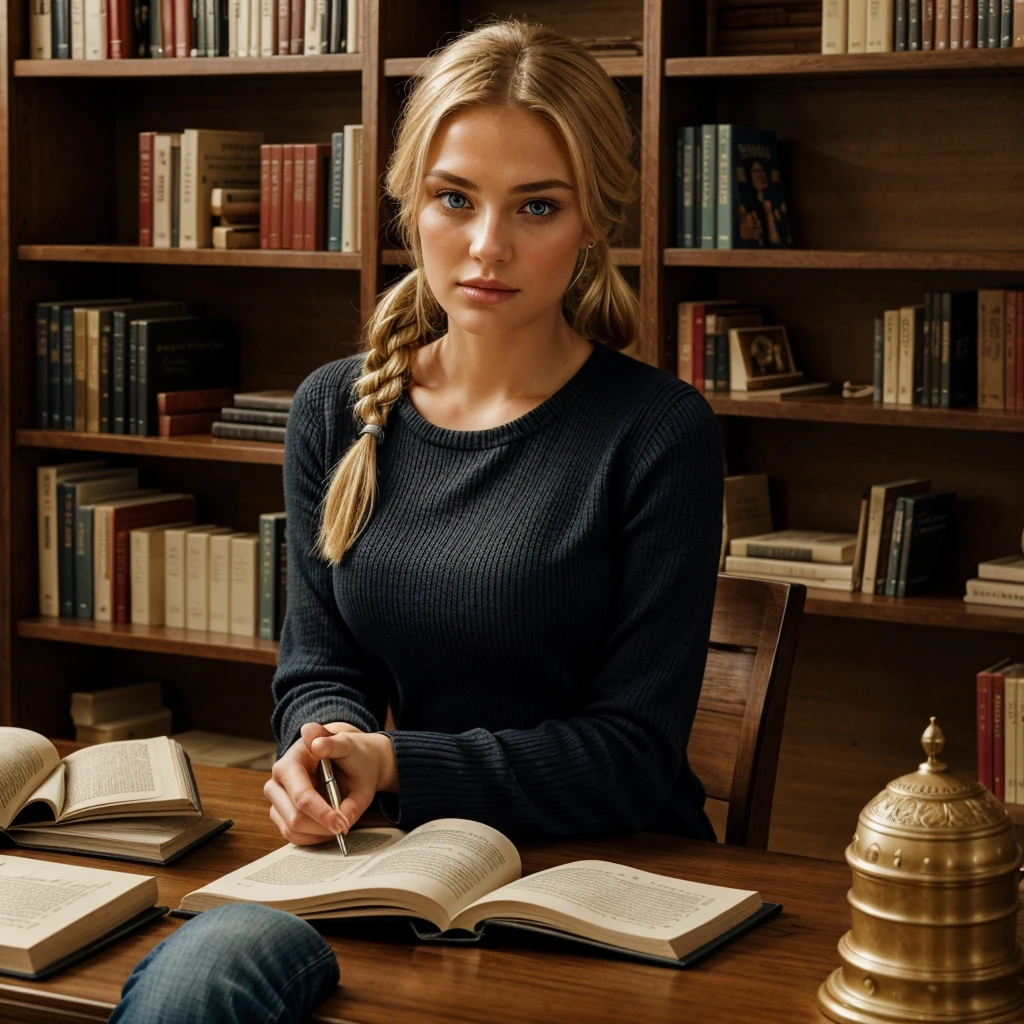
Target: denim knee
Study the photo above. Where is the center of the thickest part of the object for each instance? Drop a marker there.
(237, 964)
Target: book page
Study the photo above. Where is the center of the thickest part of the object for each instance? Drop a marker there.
(128, 772)
(601, 898)
(27, 760)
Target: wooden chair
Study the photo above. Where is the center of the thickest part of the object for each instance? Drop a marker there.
(734, 744)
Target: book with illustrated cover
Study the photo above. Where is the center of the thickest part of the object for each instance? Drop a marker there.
(752, 211)
(459, 879)
(54, 914)
(132, 800)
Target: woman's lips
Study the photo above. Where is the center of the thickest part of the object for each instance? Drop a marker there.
(487, 296)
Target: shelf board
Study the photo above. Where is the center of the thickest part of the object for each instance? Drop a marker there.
(158, 639)
(289, 258)
(948, 612)
(318, 64)
(837, 259)
(187, 446)
(816, 65)
(400, 257)
(615, 67)
(836, 409)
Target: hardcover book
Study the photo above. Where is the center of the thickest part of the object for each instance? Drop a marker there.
(752, 211)
(653, 918)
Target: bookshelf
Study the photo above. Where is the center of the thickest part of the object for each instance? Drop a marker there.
(902, 171)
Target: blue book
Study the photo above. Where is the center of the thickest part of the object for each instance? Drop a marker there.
(337, 177)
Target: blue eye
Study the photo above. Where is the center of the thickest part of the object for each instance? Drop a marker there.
(458, 198)
(546, 208)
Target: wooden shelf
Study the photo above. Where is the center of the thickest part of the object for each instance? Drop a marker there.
(616, 67)
(949, 612)
(188, 446)
(829, 259)
(400, 257)
(158, 639)
(816, 65)
(836, 409)
(319, 64)
(288, 258)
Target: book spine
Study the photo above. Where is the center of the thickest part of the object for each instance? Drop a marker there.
(141, 336)
(881, 22)
(41, 30)
(936, 349)
(890, 370)
(197, 580)
(83, 562)
(117, 372)
(49, 573)
(857, 26)
(336, 18)
(174, 578)
(1006, 24)
(991, 358)
(171, 403)
(1018, 25)
(906, 546)
(1010, 352)
(244, 590)
(220, 583)
(105, 370)
(119, 29)
(42, 366)
(242, 28)
(146, 188)
(684, 343)
(53, 369)
(67, 367)
(992, 24)
(878, 366)
(905, 358)
(284, 10)
(287, 194)
(189, 204)
(956, 24)
(946, 328)
(914, 25)
(337, 182)
(265, 196)
(298, 197)
(297, 25)
(92, 371)
(900, 31)
(709, 192)
(132, 386)
(267, 577)
(157, 13)
(80, 360)
(690, 239)
(66, 549)
(275, 235)
(248, 432)
(317, 163)
(984, 719)
(926, 351)
(927, 24)
(724, 211)
(60, 38)
(895, 548)
(998, 740)
(186, 423)
(834, 18)
(1010, 704)
(138, 568)
(941, 24)
(268, 28)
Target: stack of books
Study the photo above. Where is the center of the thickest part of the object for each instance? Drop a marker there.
(221, 750)
(999, 582)
(255, 416)
(817, 559)
(1000, 695)
(884, 26)
(120, 713)
(758, 27)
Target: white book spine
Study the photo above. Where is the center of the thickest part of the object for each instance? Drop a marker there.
(138, 562)
(77, 29)
(905, 359)
(890, 356)
(162, 192)
(254, 27)
(46, 489)
(353, 26)
(244, 28)
(268, 27)
(857, 27)
(1011, 702)
(188, 217)
(234, 27)
(244, 594)
(95, 29)
(102, 596)
(351, 188)
(41, 30)
(197, 581)
(174, 578)
(311, 28)
(834, 20)
(220, 583)
(880, 26)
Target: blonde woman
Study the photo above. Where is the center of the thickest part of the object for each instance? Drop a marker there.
(499, 526)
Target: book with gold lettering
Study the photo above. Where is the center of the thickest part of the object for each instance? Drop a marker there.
(460, 880)
(130, 800)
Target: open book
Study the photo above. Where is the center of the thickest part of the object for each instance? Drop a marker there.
(53, 914)
(134, 800)
(464, 877)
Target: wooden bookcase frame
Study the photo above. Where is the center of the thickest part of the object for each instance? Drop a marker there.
(67, 199)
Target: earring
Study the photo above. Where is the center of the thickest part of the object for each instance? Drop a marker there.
(586, 252)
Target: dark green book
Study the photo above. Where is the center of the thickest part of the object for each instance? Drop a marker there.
(334, 195)
(895, 548)
(927, 542)
(42, 366)
(272, 535)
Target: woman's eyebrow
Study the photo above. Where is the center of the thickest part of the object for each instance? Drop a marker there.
(529, 186)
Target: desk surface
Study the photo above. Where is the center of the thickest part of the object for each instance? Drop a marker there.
(770, 975)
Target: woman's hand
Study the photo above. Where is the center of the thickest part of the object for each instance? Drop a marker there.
(364, 765)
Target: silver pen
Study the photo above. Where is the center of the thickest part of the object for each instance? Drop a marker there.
(333, 796)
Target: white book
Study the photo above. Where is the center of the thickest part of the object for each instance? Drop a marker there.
(1009, 568)
(906, 356)
(197, 576)
(95, 29)
(245, 562)
(834, 19)
(1011, 704)
(174, 574)
(311, 27)
(254, 28)
(797, 571)
(857, 26)
(220, 582)
(40, 30)
(881, 14)
(146, 553)
(268, 27)
(353, 26)
(77, 29)
(234, 26)
(244, 29)
(890, 356)
(351, 189)
(163, 193)
(996, 592)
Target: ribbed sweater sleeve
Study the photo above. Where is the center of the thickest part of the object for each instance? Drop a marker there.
(613, 763)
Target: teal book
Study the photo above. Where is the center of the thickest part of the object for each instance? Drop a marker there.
(337, 175)
(752, 210)
(708, 178)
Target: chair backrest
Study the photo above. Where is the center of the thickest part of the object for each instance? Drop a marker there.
(734, 744)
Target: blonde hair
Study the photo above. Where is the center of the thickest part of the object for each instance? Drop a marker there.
(508, 63)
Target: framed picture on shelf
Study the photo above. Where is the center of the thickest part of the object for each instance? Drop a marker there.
(760, 358)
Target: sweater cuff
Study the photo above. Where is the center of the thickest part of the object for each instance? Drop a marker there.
(323, 710)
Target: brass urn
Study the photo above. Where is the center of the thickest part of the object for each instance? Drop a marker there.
(934, 903)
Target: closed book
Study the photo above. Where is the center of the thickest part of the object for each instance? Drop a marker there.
(892, 574)
(264, 196)
(274, 230)
(244, 599)
(174, 573)
(998, 737)
(247, 432)
(337, 175)
(279, 399)
(927, 542)
(89, 707)
(1010, 704)
(229, 414)
(170, 403)
(182, 354)
(1010, 568)
(271, 612)
(927, 24)
(956, 24)
(908, 376)
(287, 193)
(801, 571)
(353, 26)
(984, 720)
(797, 545)
(134, 727)
(336, 20)
(42, 365)
(708, 186)
(1010, 333)
(996, 592)
(146, 561)
(317, 169)
(881, 24)
(833, 26)
(857, 27)
(236, 202)
(959, 370)
(991, 348)
(186, 423)
(969, 33)
(901, 41)
(236, 236)
(83, 562)
(752, 211)
(40, 28)
(146, 188)
(219, 604)
(197, 576)
(881, 508)
(878, 364)
(352, 185)
(891, 356)
(163, 187)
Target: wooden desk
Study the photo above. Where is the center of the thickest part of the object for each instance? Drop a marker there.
(770, 975)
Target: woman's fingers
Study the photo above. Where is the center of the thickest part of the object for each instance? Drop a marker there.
(296, 818)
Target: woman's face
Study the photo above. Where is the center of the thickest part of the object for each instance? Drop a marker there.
(498, 207)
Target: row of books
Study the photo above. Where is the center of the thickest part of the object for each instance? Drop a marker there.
(1000, 697)
(729, 191)
(245, 416)
(882, 26)
(743, 27)
(110, 551)
(270, 196)
(97, 30)
(101, 363)
(1000, 581)
(958, 349)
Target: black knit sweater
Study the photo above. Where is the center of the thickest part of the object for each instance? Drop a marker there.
(533, 600)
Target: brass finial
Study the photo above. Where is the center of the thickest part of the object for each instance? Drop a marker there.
(933, 741)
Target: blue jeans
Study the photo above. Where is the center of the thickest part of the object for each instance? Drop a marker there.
(236, 964)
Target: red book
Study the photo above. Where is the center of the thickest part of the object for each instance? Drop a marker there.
(167, 20)
(172, 508)
(942, 24)
(182, 27)
(119, 29)
(985, 723)
(969, 34)
(318, 161)
(264, 197)
(274, 231)
(170, 403)
(927, 24)
(287, 194)
(998, 735)
(283, 45)
(146, 188)
(188, 423)
(298, 195)
(297, 34)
